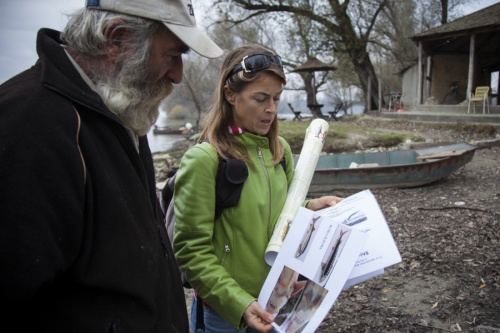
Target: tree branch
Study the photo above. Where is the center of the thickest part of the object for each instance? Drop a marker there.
(373, 20)
(267, 8)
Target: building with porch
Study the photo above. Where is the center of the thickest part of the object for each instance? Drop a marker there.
(454, 59)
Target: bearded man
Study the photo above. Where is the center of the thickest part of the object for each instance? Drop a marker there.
(83, 243)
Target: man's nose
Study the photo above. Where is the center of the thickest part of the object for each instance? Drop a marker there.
(175, 73)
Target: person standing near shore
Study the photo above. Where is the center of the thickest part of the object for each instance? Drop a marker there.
(83, 243)
(223, 257)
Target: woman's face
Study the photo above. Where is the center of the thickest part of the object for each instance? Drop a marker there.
(255, 107)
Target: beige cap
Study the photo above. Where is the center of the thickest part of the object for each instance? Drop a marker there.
(177, 15)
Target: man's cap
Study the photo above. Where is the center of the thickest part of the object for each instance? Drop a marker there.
(177, 15)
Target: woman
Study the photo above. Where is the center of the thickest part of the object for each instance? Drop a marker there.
(223, 258)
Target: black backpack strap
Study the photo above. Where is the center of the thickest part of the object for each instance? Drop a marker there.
(167, 193)
(283, 163)
(200, 319)
(231, 176)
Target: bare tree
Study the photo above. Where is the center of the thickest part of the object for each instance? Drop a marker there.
(343, 27)
(303, 45)
(431, 13)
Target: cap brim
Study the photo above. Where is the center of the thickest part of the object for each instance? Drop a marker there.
(196, 39)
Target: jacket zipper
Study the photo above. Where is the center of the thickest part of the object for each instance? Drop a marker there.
(263, 164)
(226, 251)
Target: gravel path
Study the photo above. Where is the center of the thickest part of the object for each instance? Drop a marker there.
(448, 234)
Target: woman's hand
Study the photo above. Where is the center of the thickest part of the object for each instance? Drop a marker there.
(257, 318)
(323, 202)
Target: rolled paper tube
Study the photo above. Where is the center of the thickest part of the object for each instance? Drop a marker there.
(302, 176)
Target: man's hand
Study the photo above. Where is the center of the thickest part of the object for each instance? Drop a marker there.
(257, 318)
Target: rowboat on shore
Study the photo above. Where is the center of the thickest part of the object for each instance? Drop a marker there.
(398, 168)
(166, 130)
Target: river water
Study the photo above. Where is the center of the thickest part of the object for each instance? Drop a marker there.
(162, 142)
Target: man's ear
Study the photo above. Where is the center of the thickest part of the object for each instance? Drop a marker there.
(229, 95)
(114, 35)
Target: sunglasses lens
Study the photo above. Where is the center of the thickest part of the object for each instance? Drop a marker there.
(277, 60)
(257, 62)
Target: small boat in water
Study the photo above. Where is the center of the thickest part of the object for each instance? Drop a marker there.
(188, 133)
(166, 130)
(186, 130)
(398, 168)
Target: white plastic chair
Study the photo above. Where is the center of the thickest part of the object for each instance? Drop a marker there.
(396, 102)
(480, 96)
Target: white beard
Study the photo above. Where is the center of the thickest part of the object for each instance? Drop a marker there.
(134, 96)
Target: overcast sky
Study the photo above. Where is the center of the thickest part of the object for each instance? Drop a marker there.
(21, 19)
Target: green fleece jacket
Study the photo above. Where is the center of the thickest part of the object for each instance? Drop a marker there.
(224, 259)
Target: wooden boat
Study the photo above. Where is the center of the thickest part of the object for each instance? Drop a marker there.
(166, 130)
(398, 168)
(188, 133)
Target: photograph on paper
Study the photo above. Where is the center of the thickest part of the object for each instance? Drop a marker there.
(310, 271)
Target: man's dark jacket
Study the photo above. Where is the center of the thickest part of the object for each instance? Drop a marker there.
(83, 247)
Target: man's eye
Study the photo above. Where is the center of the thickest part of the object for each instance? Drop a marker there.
(171, 56)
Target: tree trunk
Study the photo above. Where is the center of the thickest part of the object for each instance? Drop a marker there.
(311, 98)
(365, 71)
(444, 11)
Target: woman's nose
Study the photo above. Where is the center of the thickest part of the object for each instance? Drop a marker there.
(273, 106)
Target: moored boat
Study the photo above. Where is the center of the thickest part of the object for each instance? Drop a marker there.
(397, 168)
(166, 130)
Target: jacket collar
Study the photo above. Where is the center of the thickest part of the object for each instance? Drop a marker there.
(61, 76)
(235, 130)
(253, 140)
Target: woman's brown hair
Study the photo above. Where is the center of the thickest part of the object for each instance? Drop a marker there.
(220, 115)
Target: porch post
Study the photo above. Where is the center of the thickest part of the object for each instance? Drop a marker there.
(472, 62)
(420, 69)
(428, 73)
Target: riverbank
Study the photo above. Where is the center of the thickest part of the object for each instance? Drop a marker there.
(449, 280)
(359, 134)
(448, 233)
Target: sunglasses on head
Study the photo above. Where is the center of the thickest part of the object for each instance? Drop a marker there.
(257, 62)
